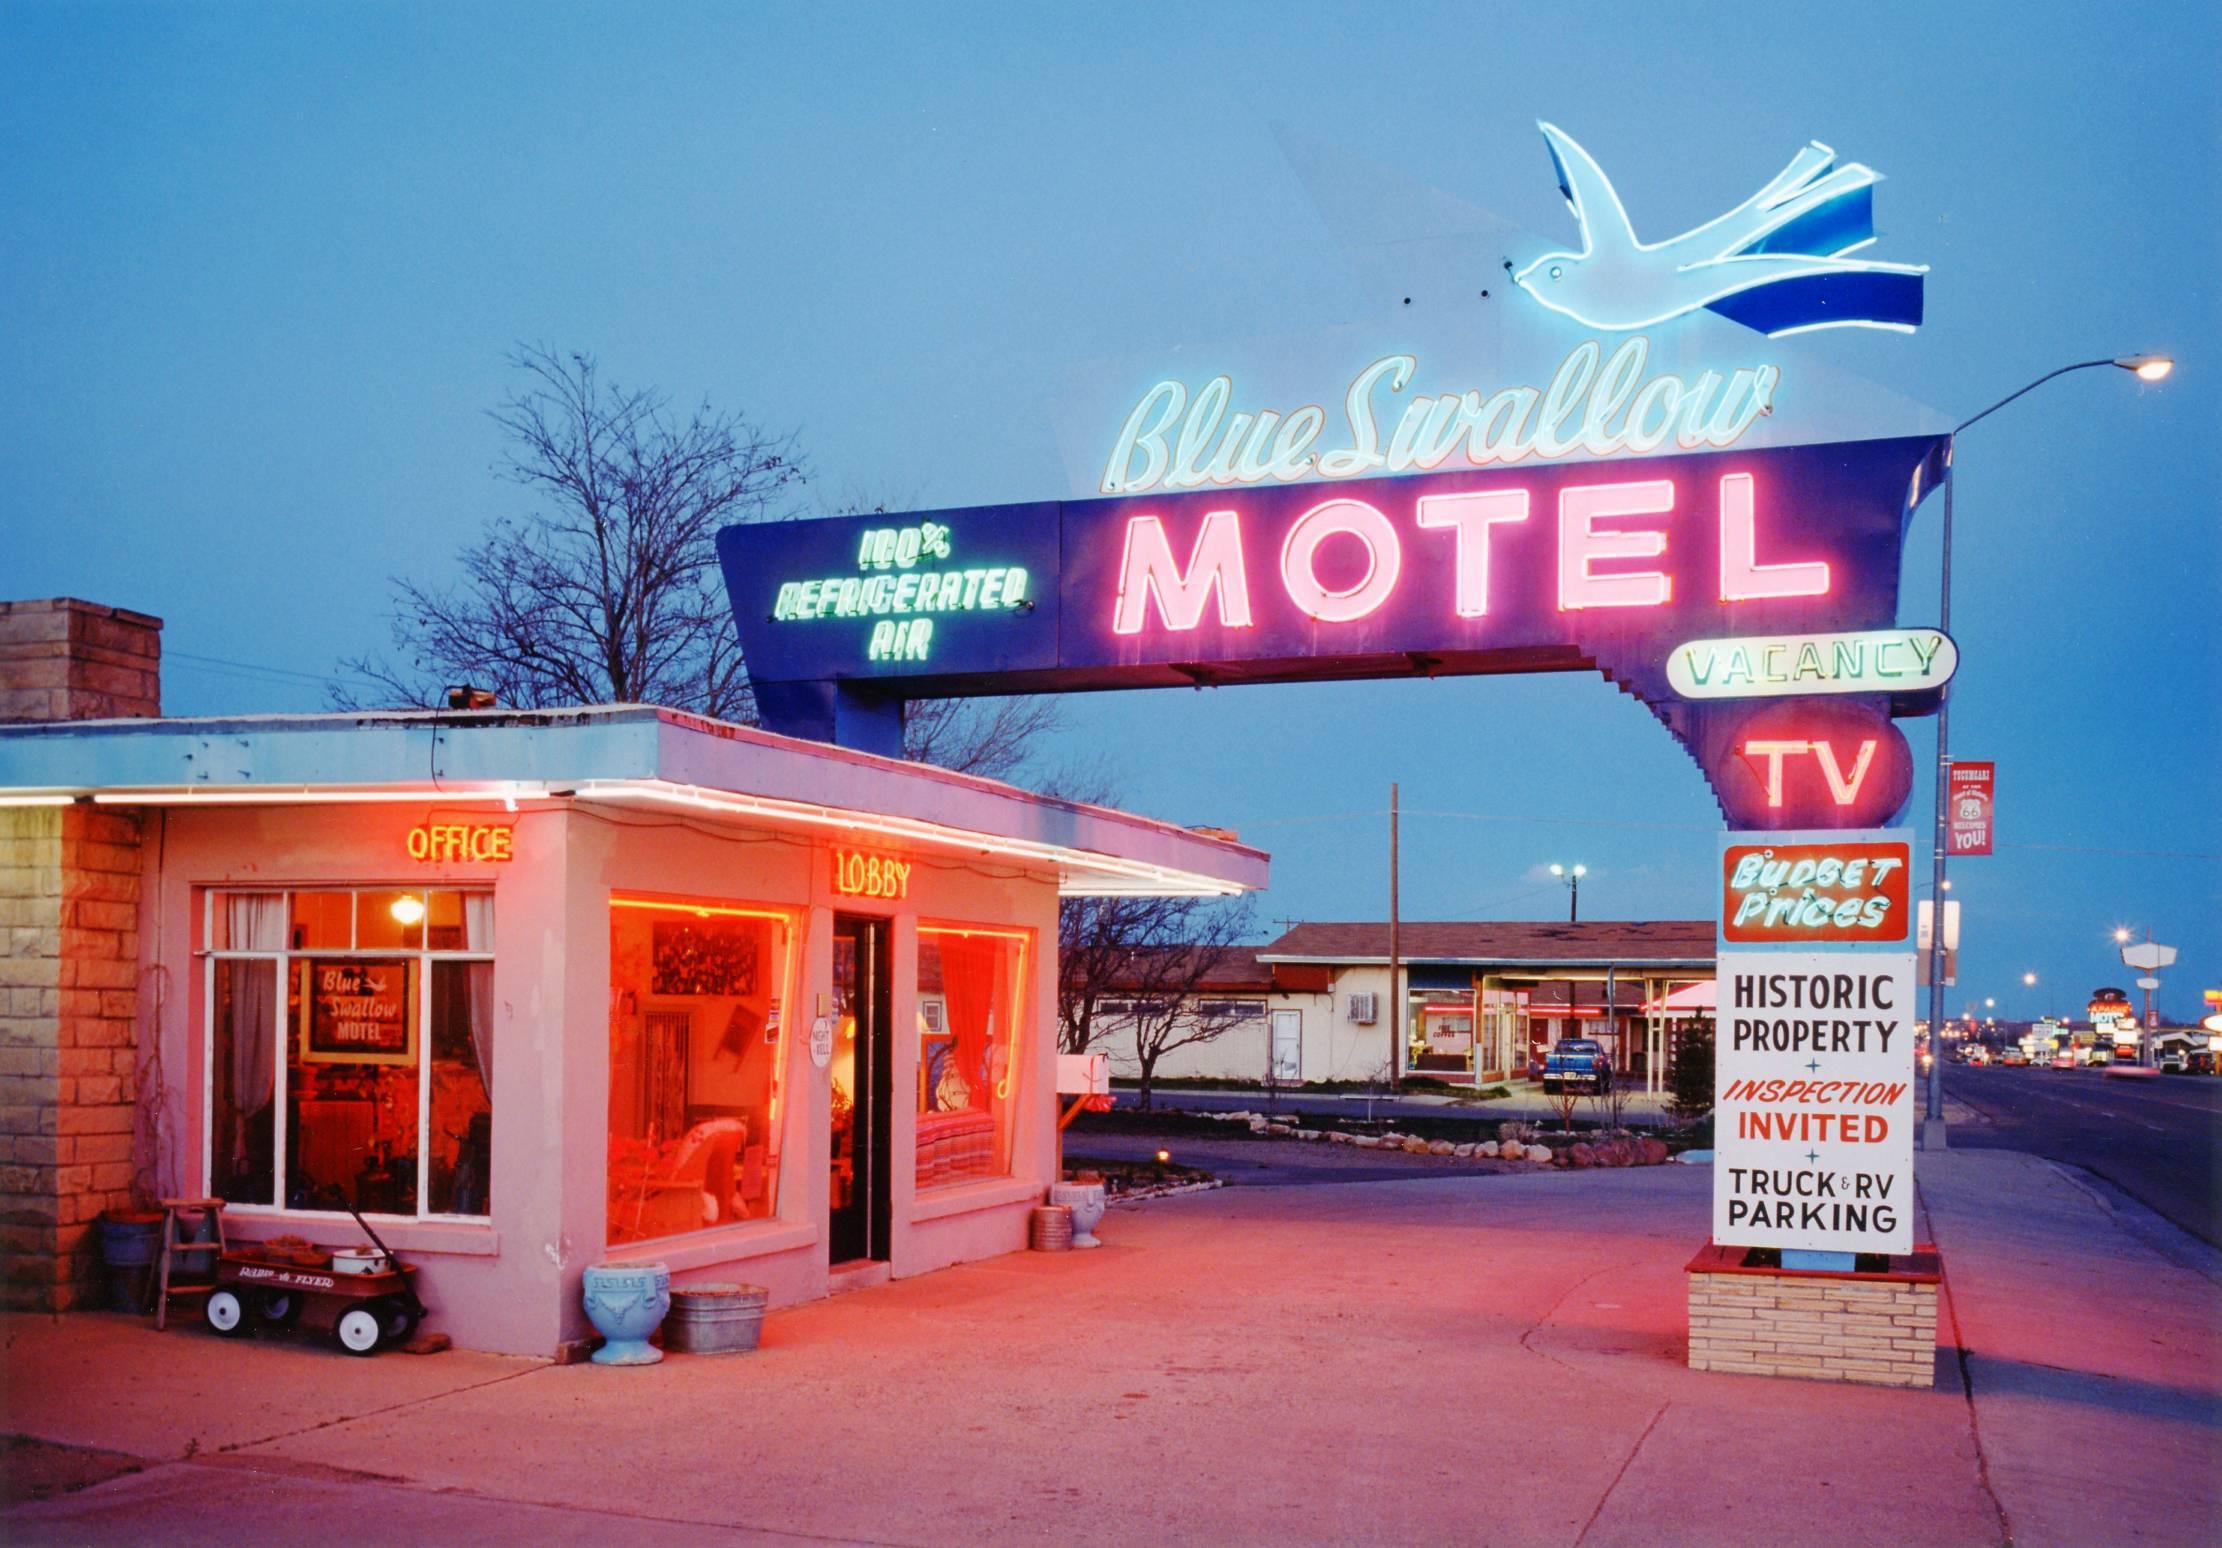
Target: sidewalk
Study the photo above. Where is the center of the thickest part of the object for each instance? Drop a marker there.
(1459, 1359)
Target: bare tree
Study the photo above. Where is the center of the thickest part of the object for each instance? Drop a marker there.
(994, 738)
(608, 591)
(1148, 955)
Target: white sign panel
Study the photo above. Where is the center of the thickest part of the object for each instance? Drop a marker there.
(1813, 1090)
(821, 1041)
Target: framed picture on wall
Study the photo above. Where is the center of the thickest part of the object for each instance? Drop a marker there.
(358, 1010)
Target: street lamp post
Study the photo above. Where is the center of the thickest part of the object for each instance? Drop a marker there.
(1573, 880)
(2148, 368)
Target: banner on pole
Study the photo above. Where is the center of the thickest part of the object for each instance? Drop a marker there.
(1971, 796)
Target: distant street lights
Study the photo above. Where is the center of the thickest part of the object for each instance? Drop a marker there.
(2147, 368)
(1573, 880)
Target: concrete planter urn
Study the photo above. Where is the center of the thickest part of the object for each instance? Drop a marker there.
(1087, 1204)
(627, 1302)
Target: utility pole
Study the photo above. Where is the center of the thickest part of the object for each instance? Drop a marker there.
(1396, 1000)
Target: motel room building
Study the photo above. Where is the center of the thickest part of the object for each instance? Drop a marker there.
(533, 991)
(1482, 999)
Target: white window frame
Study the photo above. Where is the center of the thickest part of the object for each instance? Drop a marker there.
(278, 962)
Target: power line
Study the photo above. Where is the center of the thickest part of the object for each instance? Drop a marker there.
(254, 671)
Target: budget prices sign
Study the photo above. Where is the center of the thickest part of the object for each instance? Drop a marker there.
(1813, 1101)
(1849, 888)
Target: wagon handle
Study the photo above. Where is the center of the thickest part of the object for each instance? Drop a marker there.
(408, 1288)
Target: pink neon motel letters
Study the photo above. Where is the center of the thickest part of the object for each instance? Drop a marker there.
(1607, 557)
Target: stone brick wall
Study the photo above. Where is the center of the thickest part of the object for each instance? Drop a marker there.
(1820, 1327)
(62, 659)
(69, 911)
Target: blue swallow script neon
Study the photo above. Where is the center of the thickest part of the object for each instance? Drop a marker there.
(1775, 263)
(1594, 403)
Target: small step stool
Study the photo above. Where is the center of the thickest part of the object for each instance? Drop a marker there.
(181, 1218)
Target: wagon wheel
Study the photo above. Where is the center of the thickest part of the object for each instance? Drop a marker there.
(224, 1314)
(397, 1320)
(279, 1308)
(359, 1331)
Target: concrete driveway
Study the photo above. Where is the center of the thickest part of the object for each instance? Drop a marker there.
(1472, 1359)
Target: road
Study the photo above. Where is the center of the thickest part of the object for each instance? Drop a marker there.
(2158, 1140)
(1526, 1103)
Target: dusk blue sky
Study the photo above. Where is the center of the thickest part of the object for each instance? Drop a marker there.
(261, 265)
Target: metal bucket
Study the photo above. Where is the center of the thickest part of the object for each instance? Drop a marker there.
(1052, 1228)
(715, 1318)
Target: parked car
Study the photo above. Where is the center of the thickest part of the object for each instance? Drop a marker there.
(2063, 1061)
(2171, 1062)
(1577, 1061)
(2013, 1056)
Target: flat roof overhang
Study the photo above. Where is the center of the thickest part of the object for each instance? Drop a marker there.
(615, 755)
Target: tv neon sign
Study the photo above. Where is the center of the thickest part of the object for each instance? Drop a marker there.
(1599, 405)
(1859, 661)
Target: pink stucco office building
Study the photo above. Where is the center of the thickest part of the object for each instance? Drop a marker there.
(536, 991)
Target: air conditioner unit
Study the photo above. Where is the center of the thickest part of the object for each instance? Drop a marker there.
(1365, 1009)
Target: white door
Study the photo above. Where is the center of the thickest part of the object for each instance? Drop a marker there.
(1288, 1047)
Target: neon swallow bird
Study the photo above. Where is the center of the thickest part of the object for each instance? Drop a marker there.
(1774, 263)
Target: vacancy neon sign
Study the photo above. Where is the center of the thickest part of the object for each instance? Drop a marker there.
(1612, 547)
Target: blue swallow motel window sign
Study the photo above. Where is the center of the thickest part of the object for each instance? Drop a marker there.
(1604, 515)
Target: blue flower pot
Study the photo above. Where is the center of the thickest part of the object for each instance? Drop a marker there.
(627, 1302)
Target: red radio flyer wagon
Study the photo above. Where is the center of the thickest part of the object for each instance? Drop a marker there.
(363, 1312)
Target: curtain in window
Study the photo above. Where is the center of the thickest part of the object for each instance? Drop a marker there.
(968, 980)
(254, 922)
(478, 980)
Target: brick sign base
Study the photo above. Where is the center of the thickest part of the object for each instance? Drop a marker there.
(1820, 1326)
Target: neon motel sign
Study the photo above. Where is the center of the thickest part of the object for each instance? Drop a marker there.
(1445, 532)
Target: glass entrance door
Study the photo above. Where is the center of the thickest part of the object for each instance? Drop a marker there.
(863, 1083)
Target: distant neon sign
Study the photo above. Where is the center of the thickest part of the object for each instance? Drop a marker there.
(1596, 404)
(1857, 661)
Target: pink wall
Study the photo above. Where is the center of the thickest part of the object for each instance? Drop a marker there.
(512, 1285)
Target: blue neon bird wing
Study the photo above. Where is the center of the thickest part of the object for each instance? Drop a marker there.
(1855, 295)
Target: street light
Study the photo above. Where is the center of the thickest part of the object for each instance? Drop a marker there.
(1573, 880)
(2147, 368)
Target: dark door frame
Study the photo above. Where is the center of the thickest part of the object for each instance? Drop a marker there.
(871, 1149)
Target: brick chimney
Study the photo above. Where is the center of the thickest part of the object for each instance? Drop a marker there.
(62, 659)
(70, 881)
